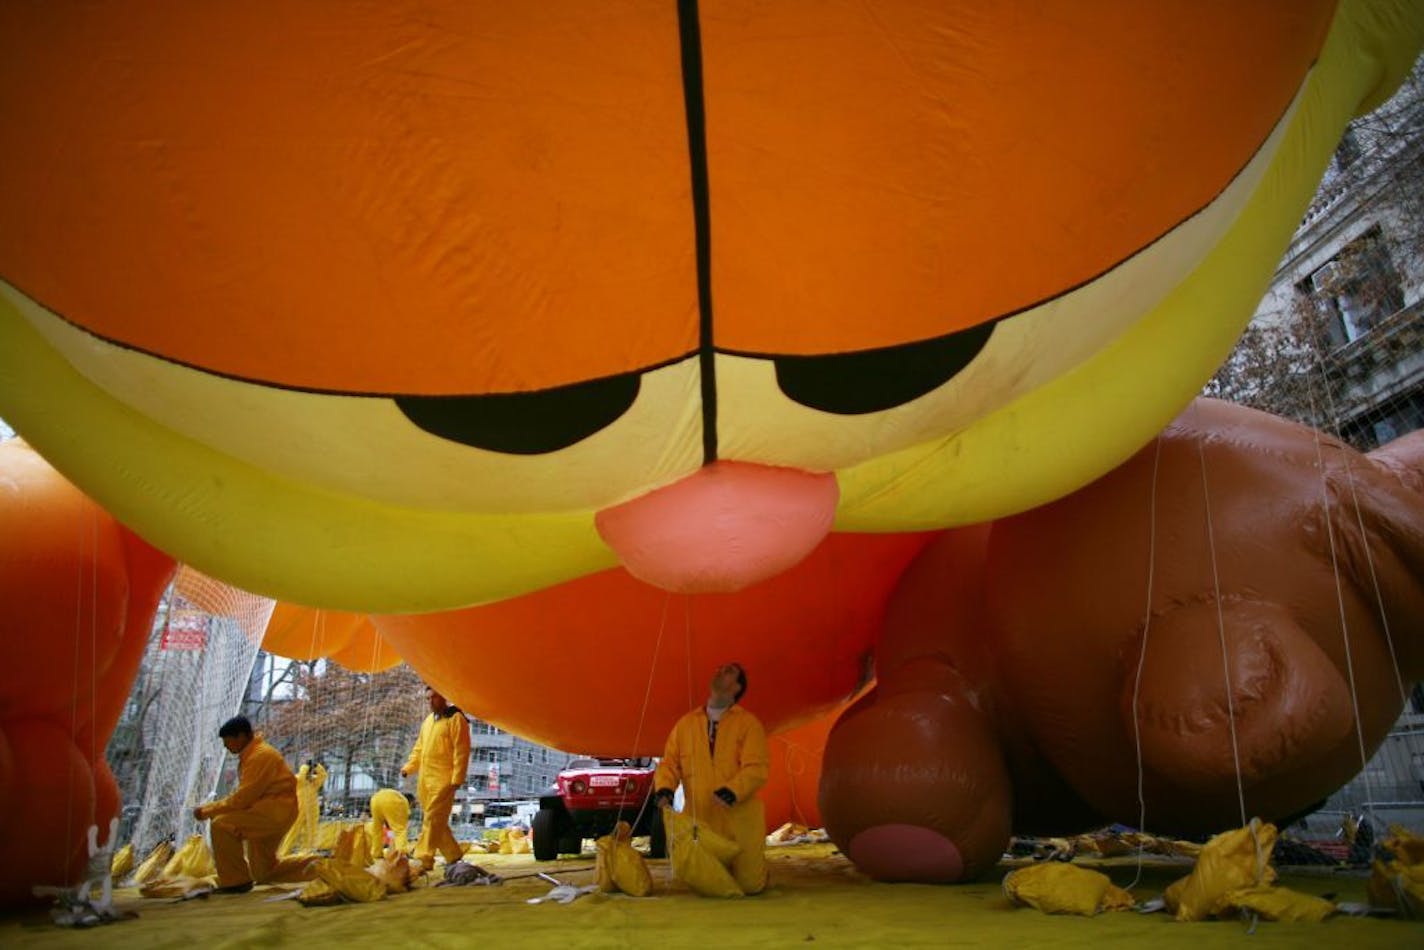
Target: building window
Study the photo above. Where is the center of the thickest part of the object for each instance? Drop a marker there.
(1356, 289)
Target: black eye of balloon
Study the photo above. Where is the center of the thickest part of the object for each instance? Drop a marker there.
(530, 423)
(850, 384)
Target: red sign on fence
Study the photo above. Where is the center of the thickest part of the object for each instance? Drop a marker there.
(185, 630)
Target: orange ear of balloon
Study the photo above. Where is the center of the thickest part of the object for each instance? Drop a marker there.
(305, 633)
(80, 592)
(367, 652)
(605, 664)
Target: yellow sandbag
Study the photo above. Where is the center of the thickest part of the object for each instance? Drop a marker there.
(152, 867)
(192, 860)
(1228, 862)
(1278, 903)
(352, 883)
(177, 886)
(353, 846)
(620, 867)
(319, 894)
(1397, 875)
(700, 856)
(513, 841)
(122, 863)
(328, 833)
(1057, 888)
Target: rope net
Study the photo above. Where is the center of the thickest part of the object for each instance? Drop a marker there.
(193, 678)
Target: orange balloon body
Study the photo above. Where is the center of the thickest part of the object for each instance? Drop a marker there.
(367, 651)
(794, 778)
(80, 592)
(305, 633)
(572, 666)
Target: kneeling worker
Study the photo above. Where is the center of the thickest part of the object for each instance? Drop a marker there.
(256, 815)
(718, 754)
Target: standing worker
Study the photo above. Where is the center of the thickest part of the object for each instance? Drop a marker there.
(310, 779)
(255, 816)
(442, 757)
(718, 754)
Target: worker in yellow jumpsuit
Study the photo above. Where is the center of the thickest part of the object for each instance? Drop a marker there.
(390, 810)
(255, 816)
(717, 752)
(310, 779)
(442, 757)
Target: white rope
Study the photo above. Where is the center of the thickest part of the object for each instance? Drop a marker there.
(1340, 602)
(1411, 738)
(1141, 661)
(687, 618)
(1220, 624)
(642, 714)
(64, 845)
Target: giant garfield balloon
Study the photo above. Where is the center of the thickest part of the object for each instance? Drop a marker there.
(411, 305)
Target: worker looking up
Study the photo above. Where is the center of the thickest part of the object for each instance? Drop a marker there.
(718, 754)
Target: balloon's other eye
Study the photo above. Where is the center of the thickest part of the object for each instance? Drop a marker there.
(532, 423)
(872, 380)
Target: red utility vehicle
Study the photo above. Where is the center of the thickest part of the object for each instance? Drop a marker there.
(589, 797)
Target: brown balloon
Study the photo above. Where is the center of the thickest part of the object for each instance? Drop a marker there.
(1266, 580)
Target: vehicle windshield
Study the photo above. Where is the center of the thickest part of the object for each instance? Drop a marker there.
(609, 763)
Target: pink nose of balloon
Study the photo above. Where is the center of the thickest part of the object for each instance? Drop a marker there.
(728, 526)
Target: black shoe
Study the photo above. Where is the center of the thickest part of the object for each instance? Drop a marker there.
(242, 888)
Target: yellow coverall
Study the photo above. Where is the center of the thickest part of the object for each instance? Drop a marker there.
(389, 809)
(302, 837)
(739, 764)
(257, 813)
(442, 756)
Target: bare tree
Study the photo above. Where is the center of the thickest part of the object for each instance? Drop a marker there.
(350, 721)
(1333, 356)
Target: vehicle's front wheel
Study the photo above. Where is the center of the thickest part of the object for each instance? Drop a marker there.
(546, 834)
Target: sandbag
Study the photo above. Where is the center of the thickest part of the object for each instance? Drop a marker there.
(1397, 874)
(1228, 862)
(192, 860)
(123, 862)
(328, 833)
(319, 894)
(353, 846)
(1277, 903)
(1057, 888)
(620, 867)
(352, 883)
(701, 857)
(177, 886)
(513, 841)
(152, 867)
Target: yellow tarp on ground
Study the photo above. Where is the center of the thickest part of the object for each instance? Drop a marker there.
(816, 899)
